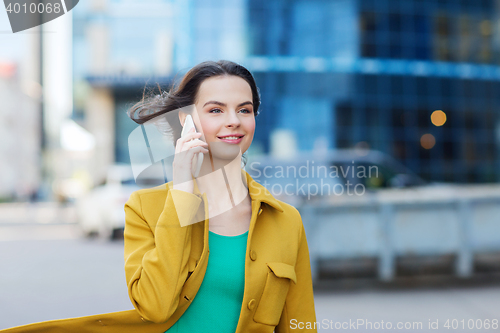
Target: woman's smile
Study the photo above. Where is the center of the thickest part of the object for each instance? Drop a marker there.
(233, 139)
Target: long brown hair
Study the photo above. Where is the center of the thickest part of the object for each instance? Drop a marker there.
(185, 93)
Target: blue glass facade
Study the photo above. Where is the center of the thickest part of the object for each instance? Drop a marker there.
(372, 73)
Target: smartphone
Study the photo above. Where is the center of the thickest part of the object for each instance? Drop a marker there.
(197, 160)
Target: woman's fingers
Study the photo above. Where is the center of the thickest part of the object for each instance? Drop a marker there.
(188, 137)
(194, 143)
(188, 153)
(184, 159)
(185, 149)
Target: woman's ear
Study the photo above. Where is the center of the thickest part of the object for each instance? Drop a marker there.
(182, 118)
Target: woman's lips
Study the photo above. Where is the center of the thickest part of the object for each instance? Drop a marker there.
(232, 140)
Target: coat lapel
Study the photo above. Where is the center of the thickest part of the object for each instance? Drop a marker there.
(259, 193)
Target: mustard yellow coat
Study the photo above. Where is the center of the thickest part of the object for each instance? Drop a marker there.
(165, 264)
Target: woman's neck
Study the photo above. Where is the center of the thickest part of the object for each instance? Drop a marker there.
(222, 182)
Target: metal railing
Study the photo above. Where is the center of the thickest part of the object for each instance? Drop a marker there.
(385, 230)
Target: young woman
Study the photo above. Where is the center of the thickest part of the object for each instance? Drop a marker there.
(216, 252)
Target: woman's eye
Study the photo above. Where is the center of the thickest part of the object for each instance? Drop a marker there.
(219, 110)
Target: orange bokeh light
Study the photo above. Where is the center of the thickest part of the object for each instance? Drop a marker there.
(427, 141)
(438, 118)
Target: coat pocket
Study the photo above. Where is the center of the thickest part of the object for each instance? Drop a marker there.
(273, 296)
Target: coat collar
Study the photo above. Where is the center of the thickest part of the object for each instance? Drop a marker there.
(258, 193)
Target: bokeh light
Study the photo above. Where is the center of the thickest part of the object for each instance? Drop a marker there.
(427, 141)
(438, 118)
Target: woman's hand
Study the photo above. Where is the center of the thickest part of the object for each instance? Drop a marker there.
(185, 150)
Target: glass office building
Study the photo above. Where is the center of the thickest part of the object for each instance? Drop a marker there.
(346, 73)
(371, 73)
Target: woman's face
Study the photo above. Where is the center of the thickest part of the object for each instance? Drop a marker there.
(224, 108)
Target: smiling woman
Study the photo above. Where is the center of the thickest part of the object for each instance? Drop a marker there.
(216, 252)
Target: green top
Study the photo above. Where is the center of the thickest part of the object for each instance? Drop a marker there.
(217, 305)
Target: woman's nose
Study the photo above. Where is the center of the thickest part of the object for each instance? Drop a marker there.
(232, 119)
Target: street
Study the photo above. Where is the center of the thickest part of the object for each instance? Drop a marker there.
(51, 272)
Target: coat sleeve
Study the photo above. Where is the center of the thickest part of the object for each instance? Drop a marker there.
(156, 263)
(298, 313)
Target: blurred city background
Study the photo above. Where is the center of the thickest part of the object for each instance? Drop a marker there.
(409, 87)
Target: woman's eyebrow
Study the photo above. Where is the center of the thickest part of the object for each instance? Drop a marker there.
(222, 104)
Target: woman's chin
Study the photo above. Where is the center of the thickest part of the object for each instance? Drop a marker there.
(224, 151)
(225, 158)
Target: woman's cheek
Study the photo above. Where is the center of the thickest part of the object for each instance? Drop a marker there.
(208, 132)
(205, 129)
